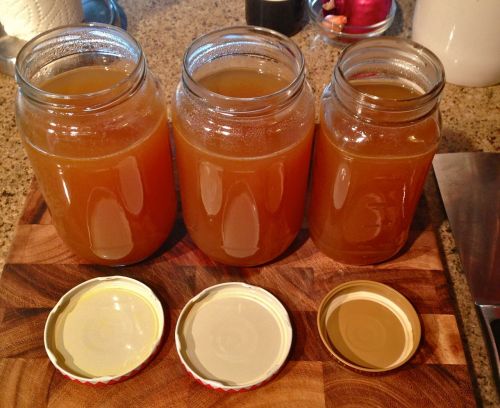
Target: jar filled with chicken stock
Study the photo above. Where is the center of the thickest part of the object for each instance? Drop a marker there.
(243, 121)
(93, 122)
(379, 130)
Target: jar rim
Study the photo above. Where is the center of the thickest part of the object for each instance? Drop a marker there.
(40, 95)
(288, 91)
(388, 43)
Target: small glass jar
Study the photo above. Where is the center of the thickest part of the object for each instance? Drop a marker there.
(379, 130)
(93, 122)
(243, 121)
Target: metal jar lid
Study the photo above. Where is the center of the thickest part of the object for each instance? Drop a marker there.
(233, 336)
(104, 330)
(368, 326)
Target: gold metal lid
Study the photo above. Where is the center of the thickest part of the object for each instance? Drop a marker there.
(368, 326)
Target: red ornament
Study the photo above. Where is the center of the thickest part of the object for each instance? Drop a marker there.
(363, 12)
(358, 12)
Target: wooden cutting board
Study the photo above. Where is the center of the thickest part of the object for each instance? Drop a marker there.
(40, 269)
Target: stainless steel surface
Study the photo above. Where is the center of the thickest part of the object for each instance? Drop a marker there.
(94, 11)
(104, 11)
(9, 47)
(470, 188)
(491, 316)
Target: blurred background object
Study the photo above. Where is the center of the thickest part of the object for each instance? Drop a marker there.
(284, 16)
(21, 20)
(465, 35)
(25, 19)
(342, 22)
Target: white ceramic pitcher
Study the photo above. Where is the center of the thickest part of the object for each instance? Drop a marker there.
(465, 35)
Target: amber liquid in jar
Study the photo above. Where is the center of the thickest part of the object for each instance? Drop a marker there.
(365, 191)
(110, 192)
(243, 196)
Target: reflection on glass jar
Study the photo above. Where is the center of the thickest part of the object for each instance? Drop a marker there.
(379, 129)
(108, 240)
(240, 222)
(243, 125)
(93, 122)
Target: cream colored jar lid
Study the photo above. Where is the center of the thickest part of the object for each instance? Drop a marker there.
(104, 329)
(368, 326)
(233, 336)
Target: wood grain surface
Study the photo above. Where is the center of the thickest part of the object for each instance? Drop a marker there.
(40, 269)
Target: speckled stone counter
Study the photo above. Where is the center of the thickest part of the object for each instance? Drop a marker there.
(471, 122)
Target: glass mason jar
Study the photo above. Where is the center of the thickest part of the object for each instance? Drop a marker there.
(243, 122)
(93, 122)
(379, 130)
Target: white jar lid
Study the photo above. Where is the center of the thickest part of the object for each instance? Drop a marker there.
(233, 336)
(104, 330)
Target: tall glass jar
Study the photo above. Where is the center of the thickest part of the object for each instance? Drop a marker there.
(93, 122)
(379, 130)
(243, 122)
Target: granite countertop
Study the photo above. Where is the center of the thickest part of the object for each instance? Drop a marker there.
(471, 122)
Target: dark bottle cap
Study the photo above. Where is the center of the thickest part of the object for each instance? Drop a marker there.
(285, 16)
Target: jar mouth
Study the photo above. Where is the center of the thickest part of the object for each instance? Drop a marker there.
(44, 56)
(390, 60)
(245, 42)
